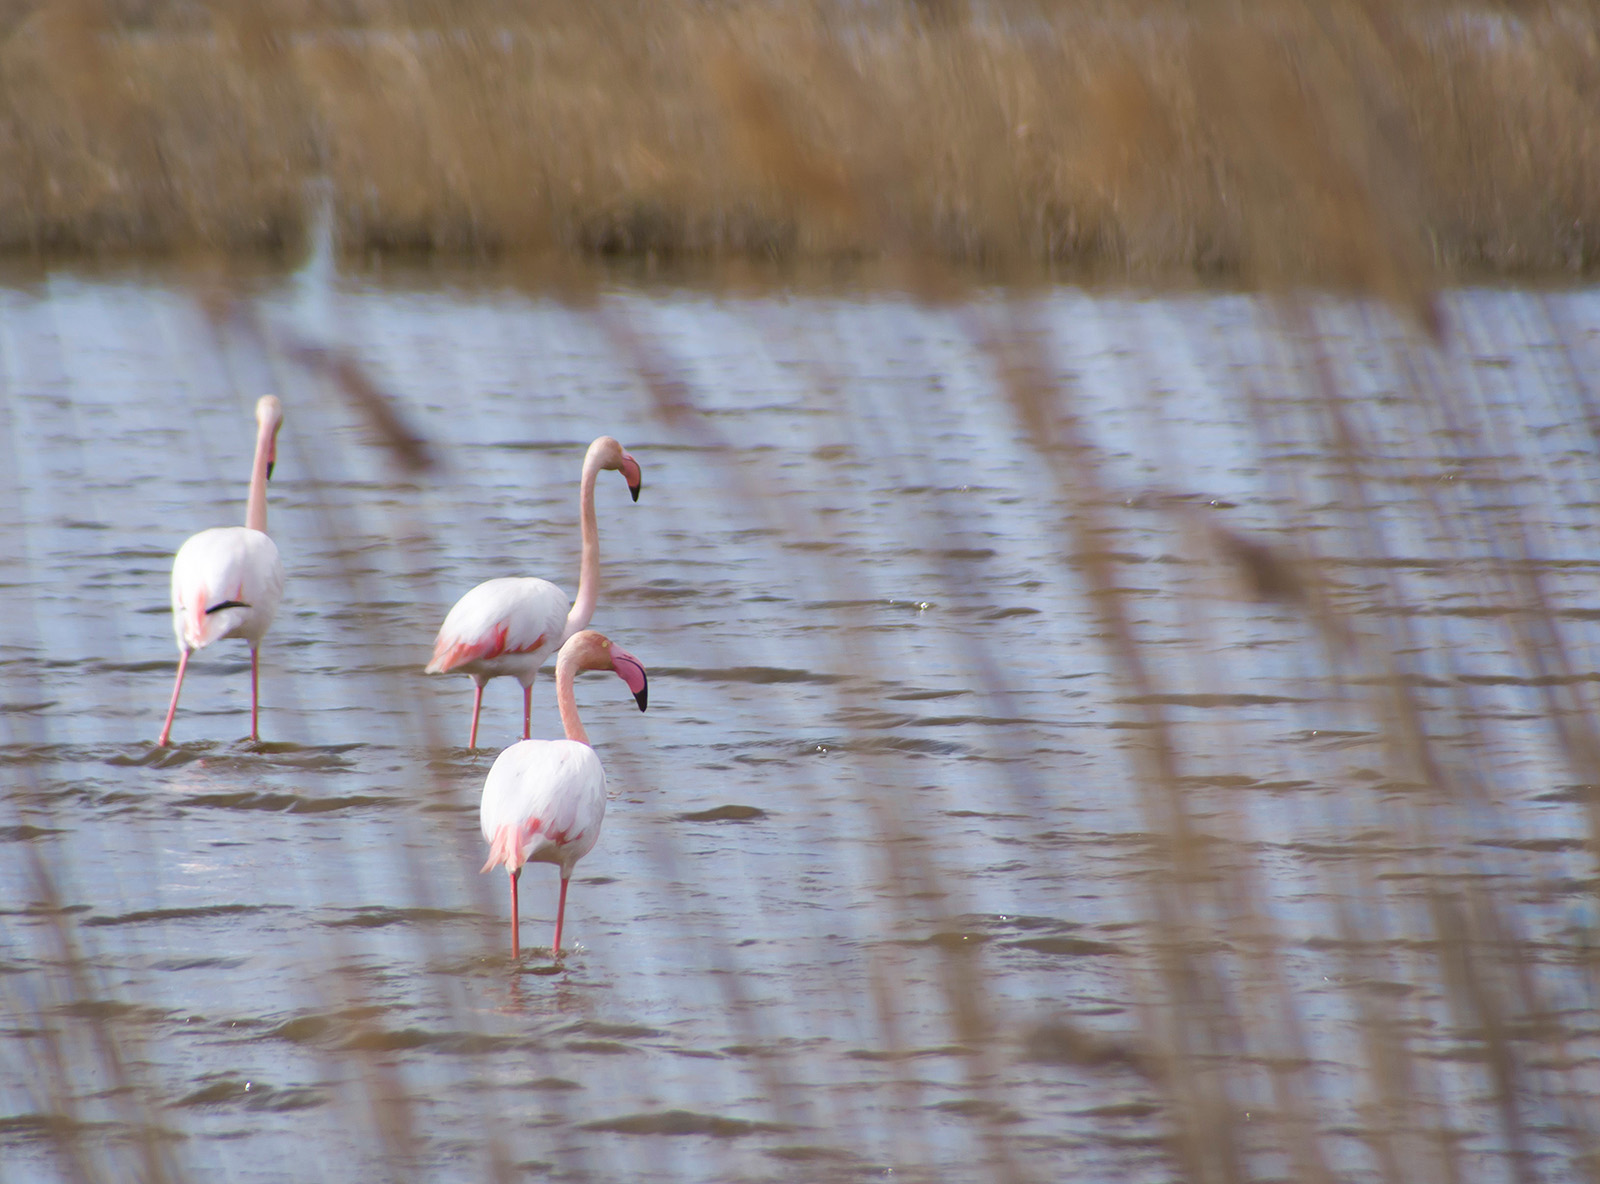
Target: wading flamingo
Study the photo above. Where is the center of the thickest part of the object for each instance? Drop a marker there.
(544, 800)
(512, 624)
(227, 581)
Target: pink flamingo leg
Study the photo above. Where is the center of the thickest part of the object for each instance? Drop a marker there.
(516, 948)
(561, 912)
(172, 708)
(477, 703)
(527, 712)
(255, 686)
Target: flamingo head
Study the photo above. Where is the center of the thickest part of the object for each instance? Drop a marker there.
(613, 456)
(631, 671)
(593, 651)
(269, 418)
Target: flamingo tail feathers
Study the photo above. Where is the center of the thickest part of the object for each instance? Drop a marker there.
(196, 631)
(506, 847)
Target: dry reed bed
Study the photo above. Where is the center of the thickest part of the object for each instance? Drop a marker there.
(1337, 141)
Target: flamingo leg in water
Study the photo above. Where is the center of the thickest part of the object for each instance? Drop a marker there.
(172, 708)
(477, 703)
(516, 946)
(255, 687)
(561, 912)
(527, 712)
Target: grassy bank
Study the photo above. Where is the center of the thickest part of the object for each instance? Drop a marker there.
(1357, 144)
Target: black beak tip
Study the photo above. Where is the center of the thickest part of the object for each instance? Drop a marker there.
(270, 465)
(643, 696)
(634, 489)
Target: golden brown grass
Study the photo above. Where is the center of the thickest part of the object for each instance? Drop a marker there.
(1338, 141)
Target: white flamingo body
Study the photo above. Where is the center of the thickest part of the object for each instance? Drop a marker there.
(544, 800)
(509, 626)
(505, 626)
(228, 581)
(548, 798)
(226, 565)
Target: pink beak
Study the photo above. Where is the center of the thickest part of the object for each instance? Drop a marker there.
(631, 671)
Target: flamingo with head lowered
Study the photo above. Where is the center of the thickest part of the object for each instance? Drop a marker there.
(227, 581)
(510, 625)
(544, 800)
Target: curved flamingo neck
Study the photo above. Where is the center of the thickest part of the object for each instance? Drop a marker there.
(255, 513)
(567, 701)
(589, 565)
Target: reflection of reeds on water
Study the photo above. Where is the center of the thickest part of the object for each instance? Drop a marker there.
(1227, 1025)
(1331, 139)
(1348, 143)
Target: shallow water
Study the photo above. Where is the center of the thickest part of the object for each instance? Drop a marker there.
(884, 841)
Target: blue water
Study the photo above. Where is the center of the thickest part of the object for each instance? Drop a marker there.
(862, 590)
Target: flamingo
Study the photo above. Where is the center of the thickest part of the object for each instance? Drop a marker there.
(544, 800)
(227, 581)
(511, 624)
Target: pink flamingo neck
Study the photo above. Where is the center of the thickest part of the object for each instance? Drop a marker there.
(567, 699)
(589, 565)
(255, 513)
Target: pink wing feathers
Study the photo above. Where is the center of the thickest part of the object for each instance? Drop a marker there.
(450, 652)
(498, 618)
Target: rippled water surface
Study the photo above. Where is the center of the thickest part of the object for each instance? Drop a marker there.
(880, 889)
